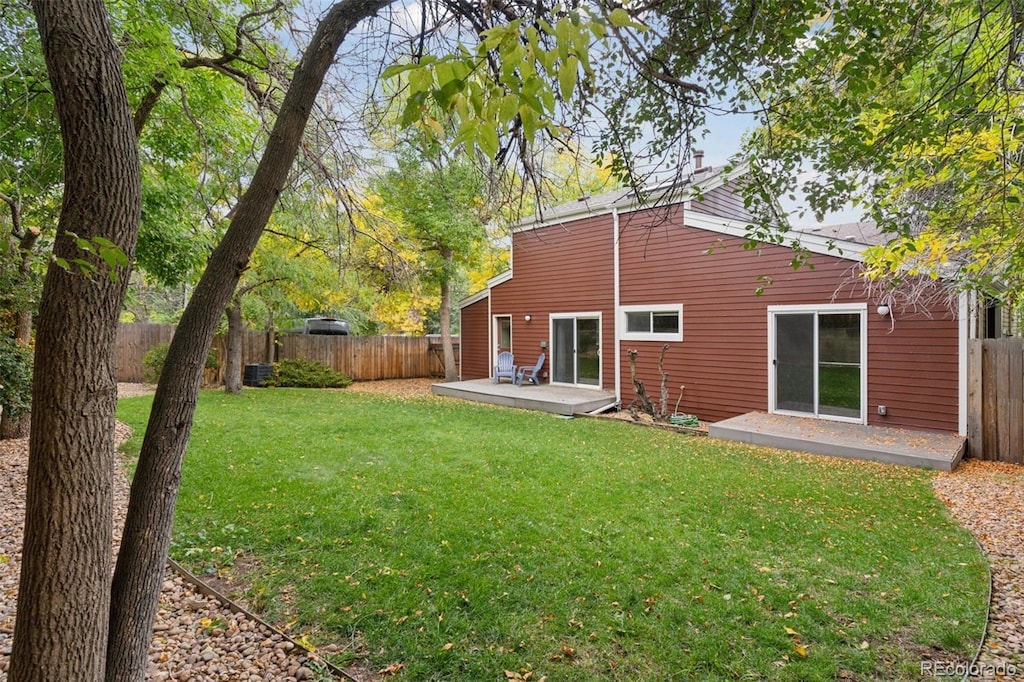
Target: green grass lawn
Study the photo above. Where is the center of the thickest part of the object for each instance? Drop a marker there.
(464, 541)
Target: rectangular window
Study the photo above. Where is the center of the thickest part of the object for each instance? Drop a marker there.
(653, 323)
(639, 323)
(665, 323)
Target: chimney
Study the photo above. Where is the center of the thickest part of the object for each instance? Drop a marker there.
(698, 158)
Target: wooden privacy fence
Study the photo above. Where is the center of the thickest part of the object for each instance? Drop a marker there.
(363, 358)
(995, 399)
(133, 340)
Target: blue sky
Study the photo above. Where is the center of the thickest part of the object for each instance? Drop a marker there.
(723, 140)
(724, 137)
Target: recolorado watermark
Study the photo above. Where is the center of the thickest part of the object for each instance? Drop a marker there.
(961, 669)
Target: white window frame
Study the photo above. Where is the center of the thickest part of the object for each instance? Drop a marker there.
(651, 335)
(496, 343)
(553, 349)
(833, 308)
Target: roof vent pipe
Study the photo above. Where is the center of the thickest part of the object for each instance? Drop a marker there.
(698, 158)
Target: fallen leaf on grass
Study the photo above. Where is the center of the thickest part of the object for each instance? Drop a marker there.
(798, 647)
(391, 669)
(448, 646)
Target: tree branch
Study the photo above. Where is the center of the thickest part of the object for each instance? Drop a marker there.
(15, 205)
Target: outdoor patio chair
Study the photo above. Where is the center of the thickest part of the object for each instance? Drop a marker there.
(531, 374)
(505, 368)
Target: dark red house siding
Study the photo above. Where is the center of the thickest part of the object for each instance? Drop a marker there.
(475, 351)
(565, 268)
(723, 358)
(913, 370)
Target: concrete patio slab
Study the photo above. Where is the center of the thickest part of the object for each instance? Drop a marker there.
(564, 400)
(928, 449)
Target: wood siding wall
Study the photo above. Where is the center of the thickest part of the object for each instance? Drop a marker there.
(723, 358)
(476, 350)
(363, 358)
(995, 399)
(723, 202)
(559, 269)
(913, 356)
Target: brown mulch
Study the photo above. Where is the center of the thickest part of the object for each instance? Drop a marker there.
(987, 498)
(401, 388)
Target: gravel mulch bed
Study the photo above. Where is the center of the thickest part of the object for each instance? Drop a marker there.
(403, 388)
(987, 498)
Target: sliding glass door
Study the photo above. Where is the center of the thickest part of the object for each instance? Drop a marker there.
(794, 362)
(576, 349)
(818, 361)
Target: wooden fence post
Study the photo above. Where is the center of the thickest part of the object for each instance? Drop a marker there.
(975, 374)
(995, 399)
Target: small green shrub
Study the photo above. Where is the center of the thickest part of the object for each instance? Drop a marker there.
(15, 376)
(153, 362)
(306, 374)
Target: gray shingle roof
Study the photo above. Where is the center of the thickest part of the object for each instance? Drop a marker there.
(621, 198)
(867, 232)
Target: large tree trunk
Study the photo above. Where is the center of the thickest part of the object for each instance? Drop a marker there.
(65, 571)
(140, 563)
(451, 370)
(15, 425)
(233, 365)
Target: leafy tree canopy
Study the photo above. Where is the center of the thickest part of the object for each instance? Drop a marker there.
(436, 208)
(197, 74)
(912, 112)
(909, 110)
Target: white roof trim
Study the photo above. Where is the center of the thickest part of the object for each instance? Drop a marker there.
(629, 203)
(565, 219)
(825, 246)
(687, 193)
(481, 295)
(499, 278)
(475, 298)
